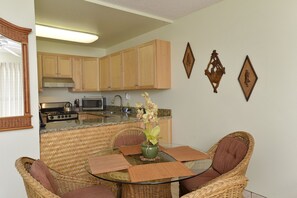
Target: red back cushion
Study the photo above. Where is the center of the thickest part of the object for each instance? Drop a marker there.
(230, 151)
(131, 139)
(41, 173)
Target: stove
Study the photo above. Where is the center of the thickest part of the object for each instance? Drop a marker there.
(54, 111)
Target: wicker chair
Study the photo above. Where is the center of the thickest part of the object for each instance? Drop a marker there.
(231, 187)
(128, 136)
(188, 185)
(67, 186)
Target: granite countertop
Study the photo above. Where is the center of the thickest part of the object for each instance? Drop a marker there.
(104, 118)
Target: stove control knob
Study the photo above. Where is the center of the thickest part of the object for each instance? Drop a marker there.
(58, 116)
(51, 117)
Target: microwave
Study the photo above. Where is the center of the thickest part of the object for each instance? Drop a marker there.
(94, 104)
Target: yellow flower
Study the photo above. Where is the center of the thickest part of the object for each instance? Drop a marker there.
(148, 113)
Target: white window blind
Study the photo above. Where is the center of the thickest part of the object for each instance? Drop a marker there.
(11, 89)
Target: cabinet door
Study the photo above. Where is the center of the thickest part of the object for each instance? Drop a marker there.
(130, 68)
(64, 67)
(77, 73)
(39, 64)
(49, 65)
(116, 74)
(147, 64)
(165, 131)
(104, 64)
(90, 74)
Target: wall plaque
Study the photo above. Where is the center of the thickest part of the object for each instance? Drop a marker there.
(188, 60)
(247, 78)
(214, 71)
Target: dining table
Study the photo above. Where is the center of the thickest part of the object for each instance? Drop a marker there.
(138, 177)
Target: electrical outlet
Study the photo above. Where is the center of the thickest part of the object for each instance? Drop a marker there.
(127, 96)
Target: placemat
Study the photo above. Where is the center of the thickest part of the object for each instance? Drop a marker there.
(185, 153)
(130, 150)
(147, 172)
(108, 163)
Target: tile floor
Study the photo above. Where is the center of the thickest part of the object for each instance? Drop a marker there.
(249, 194)
(246, 193)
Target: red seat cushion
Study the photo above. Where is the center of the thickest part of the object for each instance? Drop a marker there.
(90, 192)
(230, 151)
(131, 139)
(41, 173)
(189, 185)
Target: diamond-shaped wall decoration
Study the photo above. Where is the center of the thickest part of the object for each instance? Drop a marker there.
(214, 71)
(188, 60)
(247, 78)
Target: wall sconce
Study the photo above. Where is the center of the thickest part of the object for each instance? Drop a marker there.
(66, 35)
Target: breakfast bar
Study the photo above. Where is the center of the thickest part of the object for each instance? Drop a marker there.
(66, 145)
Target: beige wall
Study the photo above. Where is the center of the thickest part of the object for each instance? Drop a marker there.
(266, 31)
(14, 144)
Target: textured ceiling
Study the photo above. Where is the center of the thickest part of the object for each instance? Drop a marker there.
(114, 21)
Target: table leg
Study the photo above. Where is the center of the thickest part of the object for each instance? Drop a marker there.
(119, 190)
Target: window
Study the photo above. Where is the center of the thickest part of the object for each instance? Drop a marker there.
(14, 78)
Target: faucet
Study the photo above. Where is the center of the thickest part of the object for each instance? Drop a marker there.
(121, 100)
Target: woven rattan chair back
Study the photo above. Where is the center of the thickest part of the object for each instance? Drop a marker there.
(33, 188)
(65, 183)
(231, 187)
(241, 168)
(128, 136)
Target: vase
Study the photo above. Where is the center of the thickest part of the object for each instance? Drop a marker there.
(149, 151)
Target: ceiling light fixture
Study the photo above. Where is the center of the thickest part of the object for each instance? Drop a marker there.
(66, 35)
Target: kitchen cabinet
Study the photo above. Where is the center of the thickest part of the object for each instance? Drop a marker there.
(85, 74)
(116, 73)
(77, 73)
(146, 66)
(104, 73)
(154, 68)
(111, 75)
(58, 66)
(130, 68)
(165, 130)
(90, 74)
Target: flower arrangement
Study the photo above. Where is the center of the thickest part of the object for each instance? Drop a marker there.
(148, 113)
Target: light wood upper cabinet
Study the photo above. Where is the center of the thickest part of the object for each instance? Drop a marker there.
(147, 65)
(53, 65)
(39, 64)
(77, 73)
(130, 68)
(104, 64)
(49, 65)
(116, 73)
(90, 74)
(111, 75)
(154, 65)
(64, 66)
